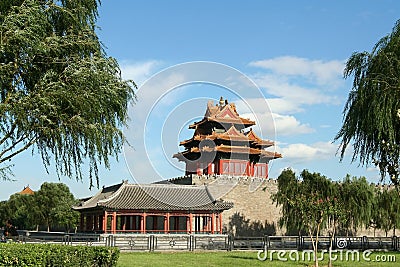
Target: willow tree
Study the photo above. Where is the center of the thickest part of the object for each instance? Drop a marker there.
(387, 210)
(60, 94)
(289, 188)
(309, 203)
(372, 113)
(359, 198)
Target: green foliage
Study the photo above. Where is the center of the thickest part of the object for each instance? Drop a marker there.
(54, 205)
(305, 201)
(371, 114)
(16, 254)
(19, 209)
(312, 197)
(386, 215)
(359, 199)
(60, 94)
(312, 203)
(344, 207)
(51, 206)
(289, 189)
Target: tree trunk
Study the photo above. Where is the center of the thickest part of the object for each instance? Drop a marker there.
(331, 243)
(316, 246)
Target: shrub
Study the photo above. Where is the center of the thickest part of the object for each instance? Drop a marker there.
(16, 254)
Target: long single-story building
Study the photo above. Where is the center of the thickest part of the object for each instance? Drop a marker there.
(152, 208)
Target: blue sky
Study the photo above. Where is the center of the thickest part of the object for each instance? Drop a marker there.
(294, 51)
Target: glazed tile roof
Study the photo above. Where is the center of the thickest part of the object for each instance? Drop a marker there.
(231, 135)
(155, 197)
(229, 149)
(103, 194)
(222, 113)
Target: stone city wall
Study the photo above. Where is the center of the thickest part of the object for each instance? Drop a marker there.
(253, 209)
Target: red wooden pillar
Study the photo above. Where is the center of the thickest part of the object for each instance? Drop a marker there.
(212, 223)
(105, 216)
(114, 222)
(166, 223)
(143, 223)
(220, 223)
(217, 223)
(190, 222)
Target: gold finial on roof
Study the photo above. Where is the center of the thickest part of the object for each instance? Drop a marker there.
(221, 101)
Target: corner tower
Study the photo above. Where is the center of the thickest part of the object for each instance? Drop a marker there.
(223, 144)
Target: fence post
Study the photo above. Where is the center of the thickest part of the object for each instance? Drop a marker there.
(230, 242)
(300, 242)
(267, 241)
(364, 243)
(395, 243)
(66, 240)
(191, 242)
(151, 243)
(110, 241)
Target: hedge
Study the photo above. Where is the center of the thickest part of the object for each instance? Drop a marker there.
(17, 254)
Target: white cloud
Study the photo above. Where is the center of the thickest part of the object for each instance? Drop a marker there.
(302, 152)
(141, 71)
(262, 105)
(289, 125)
(372, 169)
(321, 72)
(269, 122)
(291, 91)
(293, 83)
(279, 125)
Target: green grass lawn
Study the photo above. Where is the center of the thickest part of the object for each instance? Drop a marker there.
(239, 258)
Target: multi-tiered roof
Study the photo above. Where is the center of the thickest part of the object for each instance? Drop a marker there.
(221, 137)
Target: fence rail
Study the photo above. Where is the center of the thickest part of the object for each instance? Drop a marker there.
(191, 242)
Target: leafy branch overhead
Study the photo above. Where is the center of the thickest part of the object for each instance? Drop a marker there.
(372, 112)
(60, 93)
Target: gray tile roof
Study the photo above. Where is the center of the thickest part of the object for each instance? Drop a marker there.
(155, 197)
(104, 193)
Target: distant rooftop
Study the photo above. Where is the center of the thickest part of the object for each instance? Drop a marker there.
(27, 191)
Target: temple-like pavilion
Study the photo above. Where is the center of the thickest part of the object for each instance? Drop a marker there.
(222, 144)
(152, 208)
